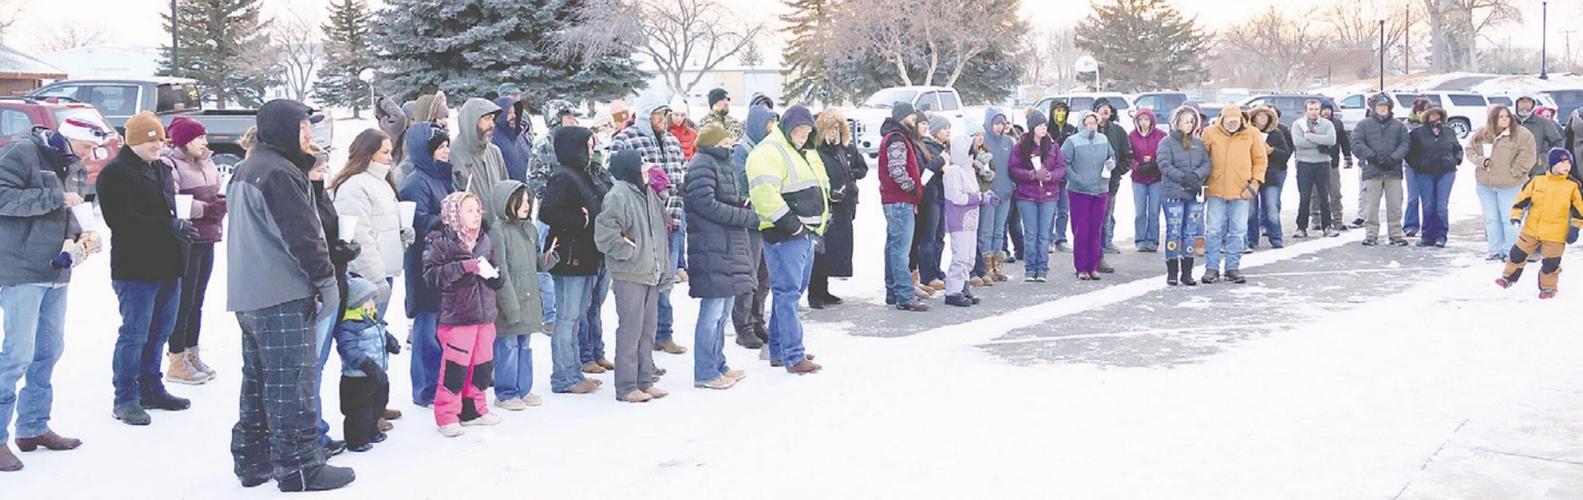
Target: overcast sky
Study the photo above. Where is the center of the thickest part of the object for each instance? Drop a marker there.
(137, 22)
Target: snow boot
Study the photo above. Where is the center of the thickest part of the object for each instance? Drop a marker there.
(749, 341)
(1210, 276)
(179, 370)
(49, 440)
(937, 285)
(967, 292)
(957, 300)
(1172, 268)
(1187, 272)
(131, 414)
(656, 392)
(197, 362)
(162, 400)
(1235, 276)
(321, 478)
(976, 281)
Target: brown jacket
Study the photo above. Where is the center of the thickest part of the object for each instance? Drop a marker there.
(1511, 158)
(1236, 160)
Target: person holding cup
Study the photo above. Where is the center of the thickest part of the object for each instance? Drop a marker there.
(148, 254)
(365, 191)
(198, 181)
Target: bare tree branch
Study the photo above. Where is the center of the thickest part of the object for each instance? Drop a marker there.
(678, 36)
(71, 35)
(299, 51)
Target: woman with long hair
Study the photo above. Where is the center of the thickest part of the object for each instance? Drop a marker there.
(1039, 169)
(365, 189)
(1502, 153)
(844, 165)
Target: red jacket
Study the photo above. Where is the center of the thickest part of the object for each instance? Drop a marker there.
(892, 176)
(688, 137)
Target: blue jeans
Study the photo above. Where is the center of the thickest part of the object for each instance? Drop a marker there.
(1063, 217)
(1499, 233)
(573, 294)
(996, 216)
(1227, 224)
(425, 369)
(546, 282)
(1264, 214)
(1184, 223)
(1415, 191)
(930, 235)
(1435, 193)
(1146, 224)
(899, 221)
(513, 366)
(709, 339)
(790, 263)
(677, 245)
(35, 336)
(148, 315)
(591, 326)
(1037, 217)
(324, 337)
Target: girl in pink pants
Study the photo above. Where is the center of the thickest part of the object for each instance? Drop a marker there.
(456, 262)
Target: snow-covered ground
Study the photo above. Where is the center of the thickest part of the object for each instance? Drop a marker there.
(1429, 384)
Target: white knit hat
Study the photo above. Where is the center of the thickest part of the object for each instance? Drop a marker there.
(81, 130)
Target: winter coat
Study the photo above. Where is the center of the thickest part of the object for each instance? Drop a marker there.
(429, 183)
(631, 232)
(754, 129)
(1433, 154)
(844, 165)
(1343, 147)
(1380, 143)
(1024, 170)
(788, 189)
(1277, 138)
(1000, 146)
(1183, 168)
(138, 199)
(517, 255)
(270, 227)
(1057, 125)
(900, 164)
(475, 162)
(393, 122)
(1123, 150)
(341, 254)
(1507, 163)
(571, 203)
(1554, 204)
(370, 198)
(465, 298)
(1313, 146)
(201, 180)
(1145, 146)
(962, 198)
(719, 225)
(934, 167)
(1237, 160)
(510, 138)
(687, 137)
(1547, 135)
(359, 336)
(660, 148)
(1088, 155)
(34, 219)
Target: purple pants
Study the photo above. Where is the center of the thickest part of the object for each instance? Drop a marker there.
(1088, 226)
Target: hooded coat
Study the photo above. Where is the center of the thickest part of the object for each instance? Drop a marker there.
(1088, 155)
(1060, 128)
(1183, 161)
(517, 254)
(1024, 170)
(572, 200)
(1433, 148)
(1145, 143)
(269, 226)
(1380, 143)
(630, 230)
(1237, 160)
(1275, 136)
(719, 227)
(789, 190)
(393, 122)
(844, 165)
(510, 138)
(475, 161)
(34, 219)
(465, 298)
(429, 183)
(1000, 145)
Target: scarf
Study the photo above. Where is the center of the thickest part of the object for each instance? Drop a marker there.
(451, 214)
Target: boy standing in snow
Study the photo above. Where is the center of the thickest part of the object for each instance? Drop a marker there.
(363, 344)
(631, 233)
(457, 263)
(1555, 212)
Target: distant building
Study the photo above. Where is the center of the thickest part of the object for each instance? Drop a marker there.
(21, 73)
(740, 81)
(105, 62)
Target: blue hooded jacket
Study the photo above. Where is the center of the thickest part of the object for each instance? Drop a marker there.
(1000, 146)
(755, 128)
(513, 144)
(429, 183)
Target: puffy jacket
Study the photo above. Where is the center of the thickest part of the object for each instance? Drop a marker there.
(719, 223)
(1554, 204)
(1506, 165)
(476, 162)
(1088, 155)
(962, 197)
(1429, 153)
(510, 138)
(359, 337)
(1023, 170)
(517, 255)
(571, 202)
(1380, 143)
(1183, 168)
(138, 199)
(201, 180)
(369, 198)
(1547, 135)
(1237, 160)
(429, 183)
(1145, 144)
(34, 220)
(465, 298)
(788, 188)
(687, 137)
(631, 233)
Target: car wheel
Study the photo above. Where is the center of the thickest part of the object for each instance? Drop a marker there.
(1462, 127)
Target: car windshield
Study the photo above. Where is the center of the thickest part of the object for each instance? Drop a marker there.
(885, 98)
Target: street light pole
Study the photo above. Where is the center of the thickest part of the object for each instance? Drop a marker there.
(175, 62)
(1544, 39)
(1382, 50)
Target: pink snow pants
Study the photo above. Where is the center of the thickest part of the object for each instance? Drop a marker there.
(466, 370)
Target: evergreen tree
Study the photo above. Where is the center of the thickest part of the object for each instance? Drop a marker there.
(224, 45)
(808, 74)
(348, 50)
(469, 47)
(1144, 44)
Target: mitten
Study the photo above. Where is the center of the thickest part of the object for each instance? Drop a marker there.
(374, 372)
(392, 345)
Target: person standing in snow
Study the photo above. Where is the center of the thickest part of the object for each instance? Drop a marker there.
(629, 231)
(459, 262)
(476, 162)
(682, 129)
(1184, 165)
(1238, 158)
(1146, 189)
(652, 139)
(148, 250)
(196, 175)
(1547, 135)
(970, 150)
(962, 200)
(1548, 210)
(722, 225)
(1501, 152)
(365, 189)
(42, 177)
(1433, 154)
(429, 150)
(1039, 167)
(572, 200)
(720, 114)
(1089, 163)
(899, 188)
(517, 255)
(1110, 126)
(790, 193)
(510, 138)
(844, 165)
(1313, 140)
(995, 217)
(1381, 141)
(1264, 215)
(747, 311)
(364, 347)
(1060, 129)
(288, 285)
(929, 240)
(1340, 157)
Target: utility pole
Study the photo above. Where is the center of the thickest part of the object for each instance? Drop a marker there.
(1407, 47)
(1567, 57)
(1544, 39)
(175, 62)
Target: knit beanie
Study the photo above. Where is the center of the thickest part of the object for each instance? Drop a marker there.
(1035, 118)
(144, 128)
(439, 138)
(358, 291)
(938, 123)
(1558, 155)
(900, 110)
(712, 135)
(717, 95)
(183, 130)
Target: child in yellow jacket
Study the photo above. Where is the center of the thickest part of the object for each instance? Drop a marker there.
(1554, 208)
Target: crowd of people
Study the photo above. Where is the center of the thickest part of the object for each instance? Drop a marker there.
(497, 233)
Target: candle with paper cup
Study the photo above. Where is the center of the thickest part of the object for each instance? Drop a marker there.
(184, 206)
(83, 212)
(348, 227)
(407, 210)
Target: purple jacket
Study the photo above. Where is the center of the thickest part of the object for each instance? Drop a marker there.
(1029, 188)
(1145, 146)
(465, 298)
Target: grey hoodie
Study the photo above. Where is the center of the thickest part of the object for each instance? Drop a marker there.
(1000, 146)
(476, 162)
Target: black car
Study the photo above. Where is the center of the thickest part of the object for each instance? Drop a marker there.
(1291, 106)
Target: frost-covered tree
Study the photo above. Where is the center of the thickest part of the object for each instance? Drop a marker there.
(347, 52)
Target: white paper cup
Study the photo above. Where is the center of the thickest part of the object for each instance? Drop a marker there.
(348, 227)
(83, 212)
(407, 210)
(184, 206)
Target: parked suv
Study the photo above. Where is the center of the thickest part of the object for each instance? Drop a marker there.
(869, 116)
(20, 115)
(1161, 103)
(1291, 106)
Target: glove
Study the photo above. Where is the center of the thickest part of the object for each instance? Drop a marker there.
(1349, 162)
(90, 242)
(329, 299)
(183, 230)
(374, 372)
(71, 254)
(408, 236)
(392, 345)
(990, 199)
(1572, 235)
(344, 251)
(471, 265)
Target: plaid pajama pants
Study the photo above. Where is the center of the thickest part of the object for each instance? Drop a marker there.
(277, 433)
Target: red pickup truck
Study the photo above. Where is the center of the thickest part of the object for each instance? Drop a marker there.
(19, 115)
